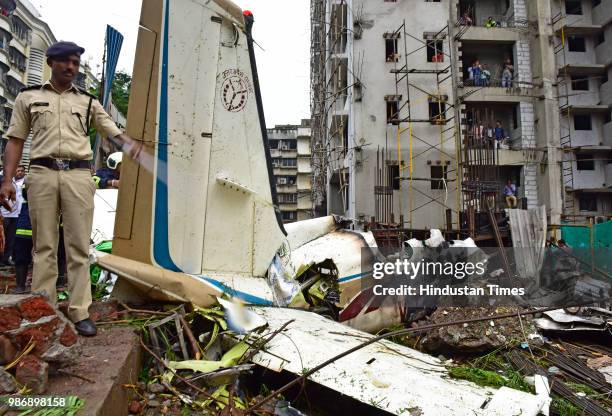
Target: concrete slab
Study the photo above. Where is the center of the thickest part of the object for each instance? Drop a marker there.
(111, 359)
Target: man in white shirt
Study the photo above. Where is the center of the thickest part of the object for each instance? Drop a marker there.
(10, 217)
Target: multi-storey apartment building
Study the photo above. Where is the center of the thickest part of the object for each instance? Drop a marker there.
(583, 50)
(423, 110)
(291, 161)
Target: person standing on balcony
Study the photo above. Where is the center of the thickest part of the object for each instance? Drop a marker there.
(477, 73)
(485, 76)
(510, 194)
(500, 133)
(59, 115)
(507, 74)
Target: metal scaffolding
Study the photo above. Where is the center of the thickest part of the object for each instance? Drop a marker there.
(565, 126)
(441, 115)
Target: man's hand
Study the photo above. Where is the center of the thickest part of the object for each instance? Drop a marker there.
(7, 193)
(130, 146)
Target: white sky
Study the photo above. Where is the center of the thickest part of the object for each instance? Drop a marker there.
(281, 28)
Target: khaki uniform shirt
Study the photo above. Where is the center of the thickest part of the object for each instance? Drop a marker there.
(58, 122)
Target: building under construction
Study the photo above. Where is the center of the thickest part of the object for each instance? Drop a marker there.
(423, 110)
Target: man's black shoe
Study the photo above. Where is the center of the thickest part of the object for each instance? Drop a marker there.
(86, 327)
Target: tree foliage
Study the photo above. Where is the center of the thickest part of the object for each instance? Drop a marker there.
(120, 91)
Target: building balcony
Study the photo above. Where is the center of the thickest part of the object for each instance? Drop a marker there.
(570, 26)
(304, 204)
(605, 92)
(602, 13)
(284, 206)
(4, 58)
(608, 174)
(484, 34)
(603, 53)
(5, 23)
(607, 134)
(584, 109)
(19, 46)
(304, 166)
(288, 153)
(577, 70)
(286, 189)
(469, 94)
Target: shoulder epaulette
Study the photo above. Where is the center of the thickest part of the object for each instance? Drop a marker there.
(31, 87)
(83, 91)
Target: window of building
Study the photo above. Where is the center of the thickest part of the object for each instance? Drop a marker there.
(573, 7)
(391, 50)
(287, 144)
(392, 108)
(393, 170)
(587, 202)
(607, 117)
(435, 51)
(582, 122)
(273, 143)
(276, 162)
(437, 110)
(285, 180)
(585, 162)
(438, 172)
(289, 215)
(287, 198)
(595, 3)
(580, 83)
(604, 78)
(289, 163)
(601, 38)
(576, 44)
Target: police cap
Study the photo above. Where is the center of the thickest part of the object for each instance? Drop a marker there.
(63, 49)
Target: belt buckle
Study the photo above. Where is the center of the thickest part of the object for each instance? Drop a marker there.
(62, 164)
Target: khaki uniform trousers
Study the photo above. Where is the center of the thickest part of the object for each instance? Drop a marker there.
(70, 192)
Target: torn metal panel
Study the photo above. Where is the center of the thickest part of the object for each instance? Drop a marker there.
(549, 325)
(385, 375)
(562, 317)
(528, 228)
(302, 232)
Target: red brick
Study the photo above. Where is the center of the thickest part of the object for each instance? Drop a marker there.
(8, 352)
(42, 334)
(34, 373)
(68, 337)
(35, 308)
(10, 318)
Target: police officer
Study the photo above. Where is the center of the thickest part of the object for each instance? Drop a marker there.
(59, 115)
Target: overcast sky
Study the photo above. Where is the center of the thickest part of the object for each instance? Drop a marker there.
(281, 28)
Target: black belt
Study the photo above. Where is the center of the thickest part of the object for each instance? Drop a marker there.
(60, 164)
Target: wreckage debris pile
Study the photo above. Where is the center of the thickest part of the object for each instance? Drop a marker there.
(196, 362)
(477, 337)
